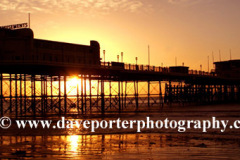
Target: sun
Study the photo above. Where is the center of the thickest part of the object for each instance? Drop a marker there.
(76, 84)
(74, 81)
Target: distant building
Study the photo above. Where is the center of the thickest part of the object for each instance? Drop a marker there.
(229, 68)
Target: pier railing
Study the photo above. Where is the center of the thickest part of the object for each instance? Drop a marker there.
(134, 67)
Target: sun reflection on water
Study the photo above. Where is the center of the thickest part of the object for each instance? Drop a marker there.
(73, 141)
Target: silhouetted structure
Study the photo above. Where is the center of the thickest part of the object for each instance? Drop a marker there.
(179, 69)
(34, 75)
(19, 47)
(230, 69)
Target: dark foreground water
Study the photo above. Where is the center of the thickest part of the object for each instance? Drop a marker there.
(127, 144)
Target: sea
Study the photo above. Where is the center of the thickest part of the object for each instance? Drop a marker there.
(128, 144)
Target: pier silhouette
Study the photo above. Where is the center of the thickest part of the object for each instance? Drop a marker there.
(34, 78)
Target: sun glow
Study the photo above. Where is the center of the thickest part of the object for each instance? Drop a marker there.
(74, 81)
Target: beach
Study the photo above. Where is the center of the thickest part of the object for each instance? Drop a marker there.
(150, 144)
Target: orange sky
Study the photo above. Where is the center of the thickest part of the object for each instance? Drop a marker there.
(187, 29)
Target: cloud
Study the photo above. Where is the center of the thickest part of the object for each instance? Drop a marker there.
(183, 1)
(175, 1)
(73, 6)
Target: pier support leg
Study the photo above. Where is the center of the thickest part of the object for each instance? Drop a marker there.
(33, 96)
(148, 94)
(238, 93)
(125, 95)
(1, 92)
(85, 93)
(78, 98)
(51, 90)
(136, 93)
(20, 93)
(119, 96)
(25, 94)
(42, 94)
(233, 93)
(122, 99)
(102, 96)
(59, 95)
(160, 95)
(170, 93)
(16, 96)
(220, 93)
(110, 95)
(10, 92)
(46, 95)
(208, 94)
(82, 109)
(90, 93)
(225, 93)
(65, 94)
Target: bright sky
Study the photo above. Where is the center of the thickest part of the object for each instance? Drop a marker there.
(187, 29)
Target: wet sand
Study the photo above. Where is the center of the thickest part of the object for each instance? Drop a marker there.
(127, 144)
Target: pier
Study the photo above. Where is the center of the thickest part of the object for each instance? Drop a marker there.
(40, 78)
